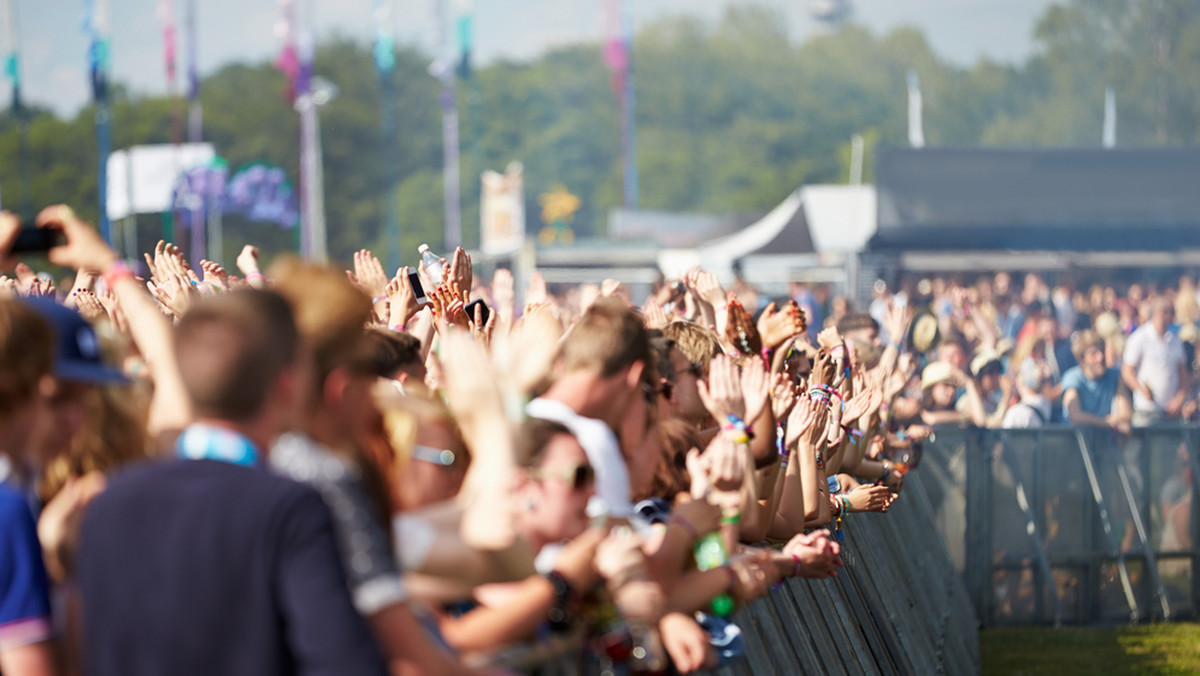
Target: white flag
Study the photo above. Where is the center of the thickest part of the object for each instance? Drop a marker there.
(916, 132)
(1109, 137)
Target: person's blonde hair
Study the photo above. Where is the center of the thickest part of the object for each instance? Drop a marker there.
(113, 434)
(608, 337)
(331, 313)
(698, 344)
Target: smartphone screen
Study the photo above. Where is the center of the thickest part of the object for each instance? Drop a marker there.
(484, 312)
(418, 290)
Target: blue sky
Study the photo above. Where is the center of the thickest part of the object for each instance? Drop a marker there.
(54, 47)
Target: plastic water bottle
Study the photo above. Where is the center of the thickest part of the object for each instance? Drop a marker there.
(710, 553)
(433, 263)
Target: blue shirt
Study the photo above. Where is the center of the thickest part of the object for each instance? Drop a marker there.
(24, 589)
(1095, 396)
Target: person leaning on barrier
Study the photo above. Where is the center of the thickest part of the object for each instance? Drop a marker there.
(1092, 391)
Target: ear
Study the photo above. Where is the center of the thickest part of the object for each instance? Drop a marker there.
(334, 389)
(633, 376)
(401, 377)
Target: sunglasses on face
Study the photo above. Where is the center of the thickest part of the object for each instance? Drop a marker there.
(578, 477)
(438, 456)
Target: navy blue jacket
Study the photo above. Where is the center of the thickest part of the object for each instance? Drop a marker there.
(205, 567)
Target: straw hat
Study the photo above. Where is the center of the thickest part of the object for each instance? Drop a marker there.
(983, 359)
(936, 372)
(924, 334)
(1107, 325)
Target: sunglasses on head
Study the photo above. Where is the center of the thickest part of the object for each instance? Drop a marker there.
(577, 477)
(437, 456)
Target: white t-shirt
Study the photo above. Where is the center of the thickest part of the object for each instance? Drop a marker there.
(1156, 360)
(603, 451)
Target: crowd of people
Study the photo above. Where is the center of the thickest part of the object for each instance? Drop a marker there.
(324, 471)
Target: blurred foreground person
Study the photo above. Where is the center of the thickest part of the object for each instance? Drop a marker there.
(212, 565)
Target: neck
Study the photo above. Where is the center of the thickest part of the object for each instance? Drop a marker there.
(580, 392)
(323, 428)
(259, 431)
(530, 535)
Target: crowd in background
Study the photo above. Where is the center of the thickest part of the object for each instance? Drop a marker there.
(312, 470)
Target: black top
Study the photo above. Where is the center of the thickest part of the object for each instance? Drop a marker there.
(205, 567)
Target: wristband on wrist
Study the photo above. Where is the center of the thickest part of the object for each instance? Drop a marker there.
(379, 299)
(116, 272)
(731, 519)
(398, 328)
(796, 566)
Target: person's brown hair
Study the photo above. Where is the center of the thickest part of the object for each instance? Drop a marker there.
(390, 352)
(856, 322)
(1082, 340)
(26, 353)
(608, 337)
(696, 343)
(671, 476)
(331, 313)
(231, 348)
(532, 438)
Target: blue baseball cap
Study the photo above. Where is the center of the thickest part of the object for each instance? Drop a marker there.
(77, 357)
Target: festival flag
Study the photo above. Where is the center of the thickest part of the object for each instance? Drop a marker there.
(616, 51)
(166, 14)
(384, 49)
(195, 113)
(1109, 133)
(463, 28)
(12, 52)
(287, 61)
(97, 29)
(916, 130)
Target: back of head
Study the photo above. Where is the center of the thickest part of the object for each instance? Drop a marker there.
(698, 344)
(330, 313)
(856, 322)
(391, 352)
(26, 353)
(231, 348)
(533, 437)
(608, 338)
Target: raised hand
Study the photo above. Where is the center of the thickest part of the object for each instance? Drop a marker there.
(806, 423)
(369, 274)
(653, 315)
(84, 248)
(708, 289)
(783, 396)
(247, 263)
(88, 306)
(402, 301)
(483, 330)
(536, 293)
(461, 271)
(588, 294)
(756, 388)
(448, 308)
(740, 330)
(721, 392)
(10, 227)
(215, 276)
(776, 327)
(503, 293)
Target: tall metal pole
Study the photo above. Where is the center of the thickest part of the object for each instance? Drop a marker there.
(98, 57)
(628, 115)
(385, 62)
(450, 151)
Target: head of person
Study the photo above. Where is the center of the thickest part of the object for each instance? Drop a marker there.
(1088, 348)
(555, 485)
(396, 358)
(952, 351)
(860, 327)
(242, 362)
(986, 367)
(671, 478)
(609, 350)
(679, 393)
(330, 315)
(26, 354)
(698, 344)
(430, 458)
(938, 388)
(1162, 313)
(80, 368)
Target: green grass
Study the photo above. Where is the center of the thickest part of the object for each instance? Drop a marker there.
(1148, 649)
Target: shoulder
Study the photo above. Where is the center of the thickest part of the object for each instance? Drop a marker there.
(1073, 378)
(13, 507)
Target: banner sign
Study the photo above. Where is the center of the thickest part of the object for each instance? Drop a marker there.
(502, 211)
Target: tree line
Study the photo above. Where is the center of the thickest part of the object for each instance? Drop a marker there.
(731, 116)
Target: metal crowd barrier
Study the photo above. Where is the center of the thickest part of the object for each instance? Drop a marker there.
(896, 608)
(1067, 525)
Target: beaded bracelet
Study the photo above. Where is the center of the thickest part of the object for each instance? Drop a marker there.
(116, 272)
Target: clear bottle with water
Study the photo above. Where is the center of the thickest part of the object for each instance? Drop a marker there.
(433, 263)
